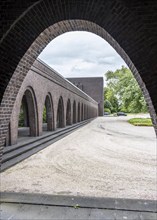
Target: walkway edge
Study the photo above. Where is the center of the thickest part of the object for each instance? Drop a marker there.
(80, 202)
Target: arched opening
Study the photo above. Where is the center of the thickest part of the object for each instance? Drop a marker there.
(60, 113)
(87, 112)
(74, 112)
(82, 113)
(48, 116)
(52, 30)
(23, 118)
(28, 118)
(23, 122)
(78, 113)
(68, 113)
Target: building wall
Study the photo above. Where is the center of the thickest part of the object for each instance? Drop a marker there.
(41, 81)
(93, 86)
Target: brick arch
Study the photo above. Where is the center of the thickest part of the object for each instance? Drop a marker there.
(49, 112)
(24, 105)
(60, 113)
(29, 98)
(85, 111)
(32, 111)
(68, 113)
(78, 112)
(82, 112)
(74, 112)
(29, 29)
(89, 114)
(55, 30)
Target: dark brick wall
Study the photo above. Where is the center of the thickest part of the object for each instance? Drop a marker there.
(27, 26)
(93, 86)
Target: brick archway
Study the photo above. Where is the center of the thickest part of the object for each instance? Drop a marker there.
(82, 113)
(30, 28)
(78, 113)
(32, 111)
(49, 112)
(28, 100)
(60, 114)
(74, 113)
(68, 113)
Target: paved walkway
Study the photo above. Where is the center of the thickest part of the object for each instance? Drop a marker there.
(106, 158)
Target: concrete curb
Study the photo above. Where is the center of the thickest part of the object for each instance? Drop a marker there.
(81, 202)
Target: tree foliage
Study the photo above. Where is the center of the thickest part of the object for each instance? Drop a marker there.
(21, 117)
(123, 92)
(107, 104)
(107, 110)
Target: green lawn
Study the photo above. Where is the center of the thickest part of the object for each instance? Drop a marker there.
(141, 121)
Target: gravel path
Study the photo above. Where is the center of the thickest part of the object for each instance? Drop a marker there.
(106, 158)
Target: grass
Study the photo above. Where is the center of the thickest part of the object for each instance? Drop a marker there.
(141, 121)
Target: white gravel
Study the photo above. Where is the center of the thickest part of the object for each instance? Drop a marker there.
(106, 158)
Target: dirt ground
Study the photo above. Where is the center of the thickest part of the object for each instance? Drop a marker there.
(106, 158)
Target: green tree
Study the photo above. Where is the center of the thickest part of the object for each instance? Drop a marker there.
(107, 110)
(107, 104)
(110, 95)
(123, 91)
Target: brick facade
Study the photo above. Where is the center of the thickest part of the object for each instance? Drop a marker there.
(28, 26)
(43, 83)
(93, 86)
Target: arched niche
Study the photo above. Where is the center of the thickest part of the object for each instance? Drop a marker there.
(48, 114)
(82, 113)
(60, 113)
(68, 113)
(31, 112)
(78, 113)
(74, 113)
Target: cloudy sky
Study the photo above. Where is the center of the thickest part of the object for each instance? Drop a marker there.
(81, 54)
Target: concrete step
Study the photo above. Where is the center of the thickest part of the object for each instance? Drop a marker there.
(34, 139)
(43, 206)
(17, 150)
(16, 153)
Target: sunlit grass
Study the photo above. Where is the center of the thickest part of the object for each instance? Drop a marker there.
(141, 121)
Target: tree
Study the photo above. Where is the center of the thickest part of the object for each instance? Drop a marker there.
(107, 104)
(123, 91)
(111, 97)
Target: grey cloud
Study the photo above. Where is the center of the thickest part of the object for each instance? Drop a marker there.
(81, 54)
